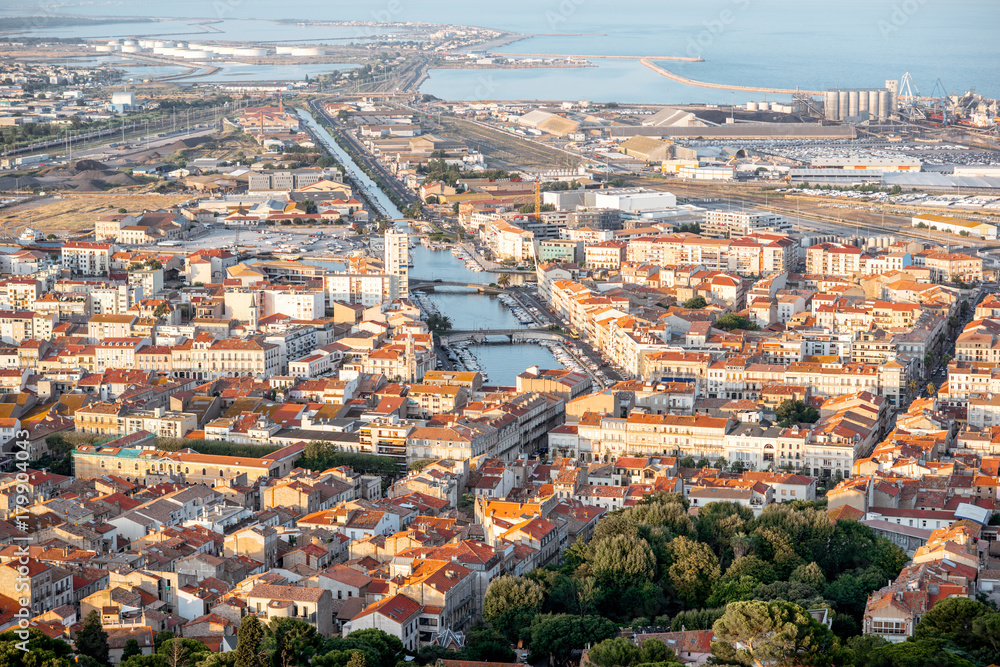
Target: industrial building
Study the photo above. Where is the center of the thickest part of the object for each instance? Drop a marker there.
(876, 163)
(943, 223)
(647, 149)
(710, 173)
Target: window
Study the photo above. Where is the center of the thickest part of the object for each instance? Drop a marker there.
(889, 627)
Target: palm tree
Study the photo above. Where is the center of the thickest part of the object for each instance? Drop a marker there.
(504, 280)
(912, 386)
(741, 544)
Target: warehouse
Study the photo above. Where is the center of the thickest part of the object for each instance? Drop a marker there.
(944, 223)
(880, 164)
(647, 149)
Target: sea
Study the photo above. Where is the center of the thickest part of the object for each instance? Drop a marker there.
(945, 46)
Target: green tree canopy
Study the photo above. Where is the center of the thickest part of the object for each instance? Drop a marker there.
(733, 322)
(622, 560)
(692, 571)
(511, 603)
(248, 642)
(559, 634)
(792, 412)
(695, 302)
(765, 633)
(621, 652)
(92, 640)
(42, 650)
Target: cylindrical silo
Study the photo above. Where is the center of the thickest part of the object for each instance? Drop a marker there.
(863, 103)
(830, 105)
(842, 105)
(751, 106)
(283, 50)
(873, 103)
(883, 104)
(852, 103)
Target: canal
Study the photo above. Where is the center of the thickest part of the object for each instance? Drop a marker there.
(467, 309)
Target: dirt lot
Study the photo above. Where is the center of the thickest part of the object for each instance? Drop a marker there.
(503, 151)
(223, 146)
(72, 214)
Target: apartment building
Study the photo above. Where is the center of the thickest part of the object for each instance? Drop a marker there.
(733, 224)
(88, 258)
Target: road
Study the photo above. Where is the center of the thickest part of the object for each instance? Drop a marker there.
(361, 155)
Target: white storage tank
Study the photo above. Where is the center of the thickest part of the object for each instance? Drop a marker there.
(841, 104)
(251, 53)
(872, 103)
(830, 105)
(883, 104)
(131, 49)
(161, 44)
(195, 55)
(225, 51)
(751, 106)
(129, 42)
(309, 51)
(105, 48)
(283, 50)
(852, 103)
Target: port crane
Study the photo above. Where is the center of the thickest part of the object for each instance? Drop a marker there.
(909, 96)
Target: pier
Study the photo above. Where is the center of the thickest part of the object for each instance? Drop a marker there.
(648, 62)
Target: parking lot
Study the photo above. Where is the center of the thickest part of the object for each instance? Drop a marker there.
(332, 240)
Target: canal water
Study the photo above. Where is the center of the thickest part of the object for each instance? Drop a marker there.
(466, 308)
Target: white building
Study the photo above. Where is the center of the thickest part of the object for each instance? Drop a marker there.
(397, 258)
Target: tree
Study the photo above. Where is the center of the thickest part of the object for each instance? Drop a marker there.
(161, 636)
(488, 645)
(37, 650)
(952, 619)
(131, 648)
(504, 280)
(248, 642)
(764, 633)
(621, 652)
(357, 660)
(622, 560)
(919, 653)
(511, 603)
(931, 388)
(912, 386)
(693, 570)
(733, 322)
(811, 574)
(290, 642)
(791, 412)
(92, 640)
(437, 323)
(557, 635)
(695, 302)
(388, 649)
